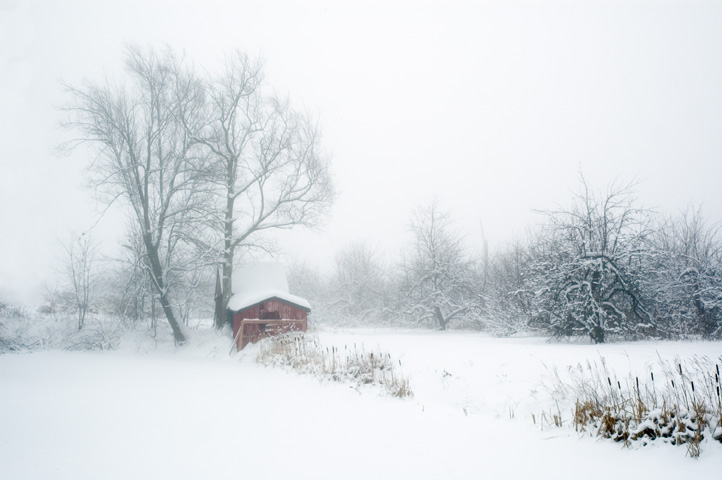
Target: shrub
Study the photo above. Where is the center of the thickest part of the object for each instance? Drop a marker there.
(58, 332)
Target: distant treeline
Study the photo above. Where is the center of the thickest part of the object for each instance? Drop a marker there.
(604, 267)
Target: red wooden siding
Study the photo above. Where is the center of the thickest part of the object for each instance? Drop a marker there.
(269, 317)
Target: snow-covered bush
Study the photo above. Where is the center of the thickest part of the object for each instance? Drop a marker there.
(9, 316)
(32, 332)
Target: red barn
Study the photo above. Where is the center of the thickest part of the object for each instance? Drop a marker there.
(261, 305)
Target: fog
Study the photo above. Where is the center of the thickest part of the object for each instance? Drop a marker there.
(492, 107)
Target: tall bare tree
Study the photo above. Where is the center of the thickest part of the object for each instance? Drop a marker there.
(146, 156)
(269, 170)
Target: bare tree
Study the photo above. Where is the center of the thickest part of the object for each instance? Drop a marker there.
(359, 283)
(146, 156)
(132, 286)
(437, 282)
(269, 170)
(306, 281)
(80, 252)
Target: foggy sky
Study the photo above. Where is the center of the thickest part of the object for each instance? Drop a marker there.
(493, 107)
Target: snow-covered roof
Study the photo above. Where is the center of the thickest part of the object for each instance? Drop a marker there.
(240, 301)
(261, 281)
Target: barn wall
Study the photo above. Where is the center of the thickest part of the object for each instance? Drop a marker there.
(252, 332)
(250, 312)
(286, 311)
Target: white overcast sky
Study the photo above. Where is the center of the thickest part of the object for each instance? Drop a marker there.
(491, 106)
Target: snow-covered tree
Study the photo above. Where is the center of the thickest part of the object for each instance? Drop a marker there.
(359, 283)
(587, 266)
(508, 295)
(686, 278)
(306, 281)
(436, 282)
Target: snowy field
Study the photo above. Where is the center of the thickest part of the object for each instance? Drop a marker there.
(199, 413)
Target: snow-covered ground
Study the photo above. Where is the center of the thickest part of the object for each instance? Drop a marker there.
(200, 413)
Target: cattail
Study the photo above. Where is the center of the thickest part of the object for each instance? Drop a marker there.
(673, 384)
(680, 368)
(652, 374)
(692, 386)
(637, 379)
(609, 380)
(619, 385)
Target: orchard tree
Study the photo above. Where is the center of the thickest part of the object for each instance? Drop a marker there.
(587, 267)
(436, 282)
(687, 276)
(359, 283)
(509, 294)
(305, 280)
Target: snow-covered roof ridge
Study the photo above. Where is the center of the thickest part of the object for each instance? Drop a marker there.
(261, 281)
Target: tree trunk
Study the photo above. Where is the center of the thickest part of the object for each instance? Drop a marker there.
(153, 322)
(178, 334)
(440, 318)
(159, 283)
(218, 297)
(227, 289)
(228, 254)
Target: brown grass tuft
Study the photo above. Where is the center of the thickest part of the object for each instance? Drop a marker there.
(305, 354)
(681, 406)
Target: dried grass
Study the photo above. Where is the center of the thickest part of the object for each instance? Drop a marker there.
(304, 353)
(680, 405)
